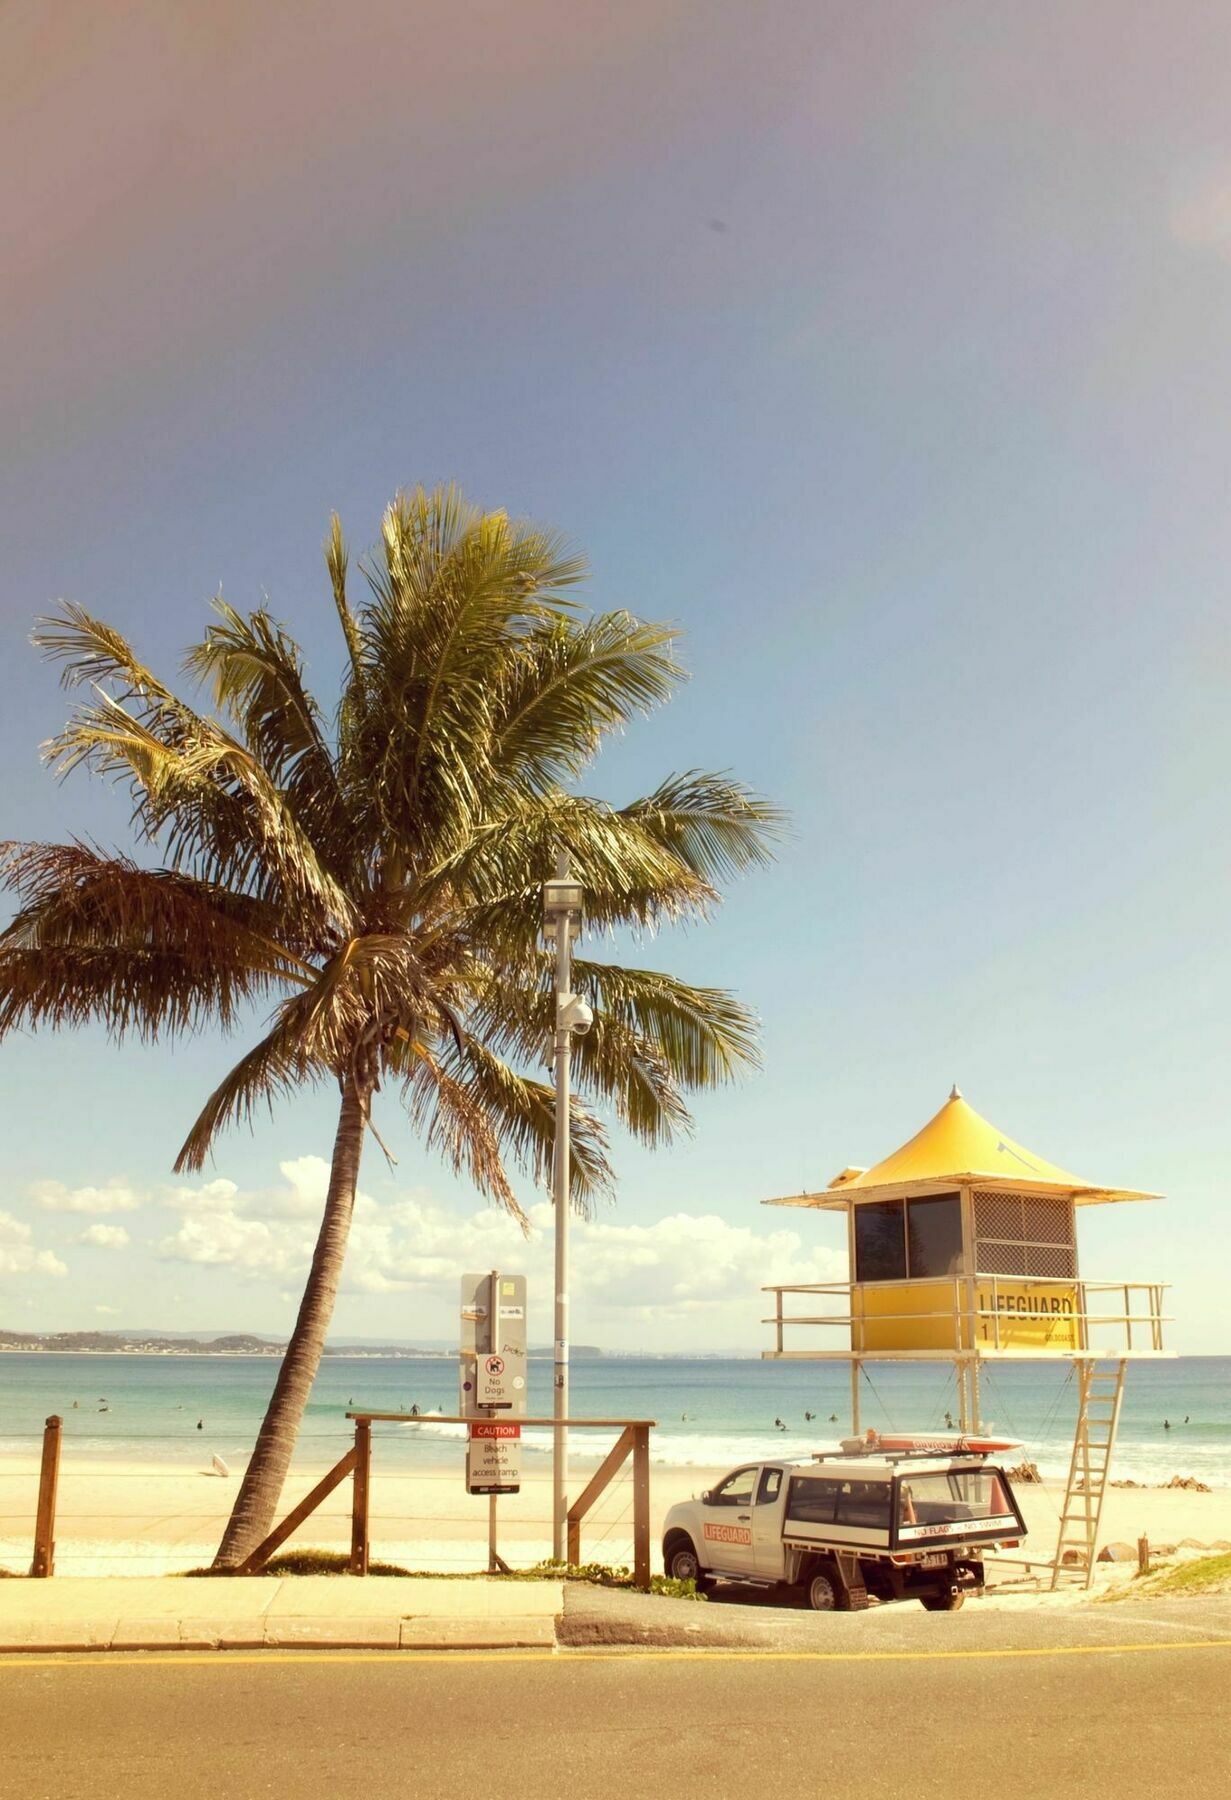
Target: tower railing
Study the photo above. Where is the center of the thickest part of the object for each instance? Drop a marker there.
(1123, 1316)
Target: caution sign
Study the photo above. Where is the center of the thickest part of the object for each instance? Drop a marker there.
(493, 1457)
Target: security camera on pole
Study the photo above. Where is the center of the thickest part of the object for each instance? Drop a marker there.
(562, 905)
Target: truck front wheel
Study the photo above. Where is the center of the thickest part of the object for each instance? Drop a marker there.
(683, 1565)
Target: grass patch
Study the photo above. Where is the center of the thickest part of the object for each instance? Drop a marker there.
(604, 1575)
(308, 1562)
(1194, 1577)
(336, 1562)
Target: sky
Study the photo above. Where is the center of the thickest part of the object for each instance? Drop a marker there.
(885, 350)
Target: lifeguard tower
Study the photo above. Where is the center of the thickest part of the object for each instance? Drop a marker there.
(963, 1249)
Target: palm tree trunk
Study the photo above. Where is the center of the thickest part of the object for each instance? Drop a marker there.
(252, 1516)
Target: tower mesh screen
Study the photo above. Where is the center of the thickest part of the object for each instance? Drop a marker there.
(1024, 1234)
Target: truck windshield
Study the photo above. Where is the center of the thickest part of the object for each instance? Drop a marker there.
(943, 1497)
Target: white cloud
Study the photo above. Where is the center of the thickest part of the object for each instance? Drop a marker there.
(307, 1179)
(212, 1196)
(105, 1237)
(111, 1311)
(18, 1255)
(251, 1245)
(688, 1268)
(117, 1196)
(303, 1196)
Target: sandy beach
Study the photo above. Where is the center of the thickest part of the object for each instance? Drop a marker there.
(136, 1518)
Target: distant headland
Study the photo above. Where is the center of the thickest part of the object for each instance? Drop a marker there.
(237, 1343)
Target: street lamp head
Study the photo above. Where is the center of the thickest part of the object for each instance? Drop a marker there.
(562, 896)
(562, 900)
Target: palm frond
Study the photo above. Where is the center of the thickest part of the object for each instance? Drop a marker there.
(455, 592)
(704, 1034)
(73, 894)
(273, 1069)
(208, 799)
(453, 1122)
(95, 654)
(137, 950)
(494, 880)
(569, 686)
(523, 1112)
(653, 1038)
(153, 995)
(718, 828)
(336, 561)
(257, 676)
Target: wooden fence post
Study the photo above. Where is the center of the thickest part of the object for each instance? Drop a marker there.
(641, 1507)
(359, 1506)
(44, 1563)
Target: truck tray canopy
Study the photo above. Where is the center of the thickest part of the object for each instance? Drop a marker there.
(971, 1502)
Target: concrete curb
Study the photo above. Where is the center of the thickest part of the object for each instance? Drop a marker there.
(529, 1632)
(288, 1634)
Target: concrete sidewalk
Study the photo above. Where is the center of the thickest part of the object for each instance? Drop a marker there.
(322, 1612)
(242, 1612)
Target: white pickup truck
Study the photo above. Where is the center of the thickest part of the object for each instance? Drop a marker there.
(896, 1524)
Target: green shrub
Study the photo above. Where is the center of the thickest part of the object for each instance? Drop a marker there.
(337, 1562)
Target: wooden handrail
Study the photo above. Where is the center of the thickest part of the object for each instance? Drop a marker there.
(462, 1419)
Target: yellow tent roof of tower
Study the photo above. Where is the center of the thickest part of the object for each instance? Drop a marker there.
(958, 1145)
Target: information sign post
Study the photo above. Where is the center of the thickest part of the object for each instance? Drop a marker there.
(492, 1382)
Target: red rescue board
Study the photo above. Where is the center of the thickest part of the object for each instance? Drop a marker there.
(945, 1443)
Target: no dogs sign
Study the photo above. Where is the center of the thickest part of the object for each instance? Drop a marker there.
(493, 1344)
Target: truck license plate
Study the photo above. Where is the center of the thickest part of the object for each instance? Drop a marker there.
(937, 1560)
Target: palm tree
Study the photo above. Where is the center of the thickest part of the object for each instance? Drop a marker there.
(374, 877)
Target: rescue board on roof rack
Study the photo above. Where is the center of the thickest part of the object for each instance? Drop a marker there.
(940, 1443)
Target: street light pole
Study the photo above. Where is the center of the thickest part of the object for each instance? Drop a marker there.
(562, 902)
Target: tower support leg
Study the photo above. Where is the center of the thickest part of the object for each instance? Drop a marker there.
(963, 1405)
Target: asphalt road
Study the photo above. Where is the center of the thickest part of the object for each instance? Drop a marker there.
(1130, 1710)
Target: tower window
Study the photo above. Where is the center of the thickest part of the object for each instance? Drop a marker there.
(908, 1240)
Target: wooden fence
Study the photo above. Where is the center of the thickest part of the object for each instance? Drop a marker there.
(633, 1441)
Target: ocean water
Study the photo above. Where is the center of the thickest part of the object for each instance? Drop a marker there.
(711, 1412)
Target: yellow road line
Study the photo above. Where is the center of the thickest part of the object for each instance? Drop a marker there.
(145, 1659)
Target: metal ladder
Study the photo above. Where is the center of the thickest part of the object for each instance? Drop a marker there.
(1100, 1392)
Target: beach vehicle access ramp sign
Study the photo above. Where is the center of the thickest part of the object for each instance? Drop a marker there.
(492, 1379)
